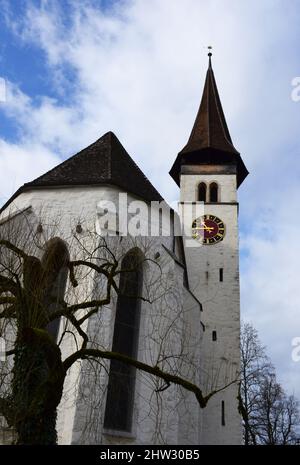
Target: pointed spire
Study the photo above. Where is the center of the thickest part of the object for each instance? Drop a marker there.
(209, 141)
(210, 128)
(209, 57)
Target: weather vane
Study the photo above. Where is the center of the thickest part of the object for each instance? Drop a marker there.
(209, 50)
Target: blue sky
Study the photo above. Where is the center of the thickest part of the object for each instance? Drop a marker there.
(74, 70)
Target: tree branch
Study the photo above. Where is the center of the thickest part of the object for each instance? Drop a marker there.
(100, 269)
(6, 410)
(7, 300)
(8, 285)
(9, 312)
(13, 248)
(76, 325)
(152, 370)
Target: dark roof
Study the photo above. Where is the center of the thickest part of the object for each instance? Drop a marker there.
(210, 141)
(103, 162)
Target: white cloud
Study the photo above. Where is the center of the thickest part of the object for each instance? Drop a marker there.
(270, 284)
(139, 70)
(21, 163)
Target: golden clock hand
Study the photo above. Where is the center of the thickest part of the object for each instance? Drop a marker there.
(206, 228)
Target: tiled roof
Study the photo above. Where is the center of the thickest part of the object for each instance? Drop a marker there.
(103, 162)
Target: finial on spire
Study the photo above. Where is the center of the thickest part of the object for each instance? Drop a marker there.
(209, 55)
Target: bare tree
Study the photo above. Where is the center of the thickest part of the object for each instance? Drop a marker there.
(277, 415)
(36, 267)
(269, 415)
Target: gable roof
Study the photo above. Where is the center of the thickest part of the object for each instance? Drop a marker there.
(103, 162)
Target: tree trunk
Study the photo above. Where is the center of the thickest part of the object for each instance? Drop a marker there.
(38, 378)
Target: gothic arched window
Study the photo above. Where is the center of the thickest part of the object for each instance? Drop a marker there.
(55, 266)
(213, 192)
(202, 192)
(121, 384)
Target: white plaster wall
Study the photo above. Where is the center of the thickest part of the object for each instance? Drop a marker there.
(190, 413)
(189, 186)
(171, 324)
(176, 415)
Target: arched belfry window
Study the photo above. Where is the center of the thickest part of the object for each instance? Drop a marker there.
(55, 265)
(121, 384)
(213, 192)
(202, 192)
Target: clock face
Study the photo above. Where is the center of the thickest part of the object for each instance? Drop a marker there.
(209, 229)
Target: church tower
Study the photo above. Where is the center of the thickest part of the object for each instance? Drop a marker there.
(209, 171)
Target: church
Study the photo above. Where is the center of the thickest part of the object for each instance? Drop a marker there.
(189, 324)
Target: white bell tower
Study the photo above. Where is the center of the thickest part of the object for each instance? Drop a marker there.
(209, 170)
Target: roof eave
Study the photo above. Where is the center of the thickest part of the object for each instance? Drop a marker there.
(209, 155)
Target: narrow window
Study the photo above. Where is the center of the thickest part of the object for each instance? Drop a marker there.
(223, 413)
(202, 192)
(121, 383)
(214, 335)
(54, 262)
(221, 275)
(213, 192)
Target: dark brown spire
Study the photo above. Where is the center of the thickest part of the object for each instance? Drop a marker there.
(210, 138)
(210, 128)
